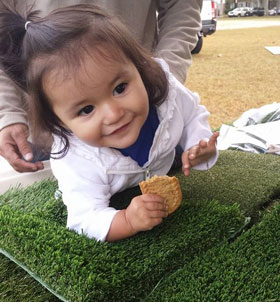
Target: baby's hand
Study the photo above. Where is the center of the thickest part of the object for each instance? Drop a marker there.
(146, 211)
(199, 153)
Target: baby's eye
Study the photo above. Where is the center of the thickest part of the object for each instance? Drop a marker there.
(86, 110)
(119, 89)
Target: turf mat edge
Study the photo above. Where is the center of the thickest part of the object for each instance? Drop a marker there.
(28, 271)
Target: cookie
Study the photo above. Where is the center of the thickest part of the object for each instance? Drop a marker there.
(166, 187)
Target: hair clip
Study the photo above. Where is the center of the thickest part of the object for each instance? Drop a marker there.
(26, 24)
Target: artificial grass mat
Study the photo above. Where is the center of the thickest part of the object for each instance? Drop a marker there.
(81, 269)
(250, 180)
(246, 270)
(32, 229)
(18, 286)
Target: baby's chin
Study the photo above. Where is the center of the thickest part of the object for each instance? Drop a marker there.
(124, 143)
(118, 144)
(124, 146)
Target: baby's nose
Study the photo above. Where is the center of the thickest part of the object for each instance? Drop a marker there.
(113, 112)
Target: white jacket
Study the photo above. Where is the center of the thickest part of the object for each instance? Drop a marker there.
(89, 176)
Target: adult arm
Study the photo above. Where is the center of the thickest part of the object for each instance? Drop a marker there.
(179, 22)
(13, 127)
(12, 105)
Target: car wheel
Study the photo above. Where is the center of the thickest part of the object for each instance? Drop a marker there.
(198, 46)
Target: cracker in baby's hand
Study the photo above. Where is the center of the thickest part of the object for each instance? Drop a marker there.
(166, 187)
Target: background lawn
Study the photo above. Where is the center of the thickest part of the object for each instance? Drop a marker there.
(234, 72)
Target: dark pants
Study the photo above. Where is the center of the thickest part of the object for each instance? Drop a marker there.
(177, 163)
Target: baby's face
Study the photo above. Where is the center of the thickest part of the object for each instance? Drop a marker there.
(104, 103)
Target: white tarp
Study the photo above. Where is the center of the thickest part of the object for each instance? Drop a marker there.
(257, 131)
(275, 50)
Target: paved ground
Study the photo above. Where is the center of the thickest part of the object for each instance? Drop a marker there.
(242, 22)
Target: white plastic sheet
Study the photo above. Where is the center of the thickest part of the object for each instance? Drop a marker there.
(256, 131)
(275, 50)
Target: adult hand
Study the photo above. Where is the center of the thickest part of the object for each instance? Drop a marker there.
(14, 147)
(199, 153)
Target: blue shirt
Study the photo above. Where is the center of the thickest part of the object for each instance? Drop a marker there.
(139, 151)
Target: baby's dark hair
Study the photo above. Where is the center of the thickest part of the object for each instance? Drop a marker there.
(29, 50)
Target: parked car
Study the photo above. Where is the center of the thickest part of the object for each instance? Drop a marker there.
(258, 11)
(208, 22)
(271, 12)
(249, 12)
(239, 12)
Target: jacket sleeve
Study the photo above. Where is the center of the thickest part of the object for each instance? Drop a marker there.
(179, 22)
(86, 192)
(12, 104)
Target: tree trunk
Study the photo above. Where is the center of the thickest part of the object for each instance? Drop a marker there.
(265, 7)
(278, 5)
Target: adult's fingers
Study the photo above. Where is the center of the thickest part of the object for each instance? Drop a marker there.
(24, 148)
(11, 155)
(22, 166)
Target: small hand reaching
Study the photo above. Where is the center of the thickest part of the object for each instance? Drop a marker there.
(199, 153)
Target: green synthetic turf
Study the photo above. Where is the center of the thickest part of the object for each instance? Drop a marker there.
(32, 229)
(18, 286)
(15, 284)
(38, 199)
(246, 270)
(81, 269)
(250, 180)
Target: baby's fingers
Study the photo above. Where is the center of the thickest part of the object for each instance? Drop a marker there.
(186, 165)
(152, 198)
(213, 138)
(194, 151)
(156, 206)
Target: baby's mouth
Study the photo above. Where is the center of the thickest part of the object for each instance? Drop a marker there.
(120, 129)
